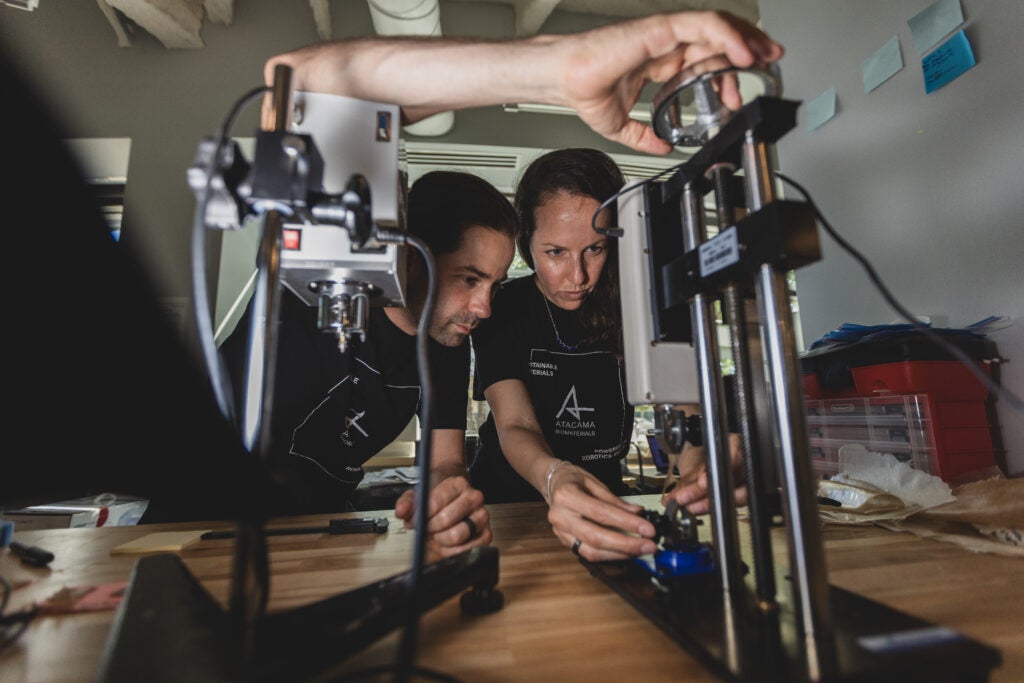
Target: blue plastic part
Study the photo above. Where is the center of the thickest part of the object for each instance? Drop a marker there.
(6, 532)
(671, 563)
(684, 562)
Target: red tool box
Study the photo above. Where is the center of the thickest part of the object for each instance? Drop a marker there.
(902, 394)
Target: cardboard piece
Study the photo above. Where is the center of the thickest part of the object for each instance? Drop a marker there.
(159, 542)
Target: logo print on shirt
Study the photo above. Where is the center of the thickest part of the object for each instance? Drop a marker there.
(576, 426)
(575, 409)
(353, 421)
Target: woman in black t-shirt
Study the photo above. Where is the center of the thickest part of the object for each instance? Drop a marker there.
(549, 363)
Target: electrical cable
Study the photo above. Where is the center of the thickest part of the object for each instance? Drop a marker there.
(405, 665)
(407, 647)
(251, 584)
(201, 313)
(12, 626)
(971, 364)
(617, 232)
(1002, 392)
(201, 309)
(229, 119)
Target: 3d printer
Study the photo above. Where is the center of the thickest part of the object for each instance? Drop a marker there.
(673, 275)
(778, 623)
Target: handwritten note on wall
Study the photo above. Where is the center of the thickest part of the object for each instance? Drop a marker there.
(947, 62)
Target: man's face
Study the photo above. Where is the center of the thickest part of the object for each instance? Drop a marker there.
(466, 281)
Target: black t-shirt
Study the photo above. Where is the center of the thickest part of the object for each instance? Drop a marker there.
(333, 411)
(578, 391)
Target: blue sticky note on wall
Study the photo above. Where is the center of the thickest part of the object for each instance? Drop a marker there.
(821, 108)
(931, 24)
(881, 66)
(947, 62)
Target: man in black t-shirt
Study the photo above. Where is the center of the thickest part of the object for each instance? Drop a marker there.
(333, 411)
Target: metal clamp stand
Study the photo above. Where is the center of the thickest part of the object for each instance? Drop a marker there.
(812, 632)
(168, 628)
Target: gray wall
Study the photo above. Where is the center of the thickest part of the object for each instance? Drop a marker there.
(928, 187)
(167, 100)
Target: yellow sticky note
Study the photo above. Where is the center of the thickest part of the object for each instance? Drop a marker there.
(159, 542)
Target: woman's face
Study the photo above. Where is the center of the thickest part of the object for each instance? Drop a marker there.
(568, 256)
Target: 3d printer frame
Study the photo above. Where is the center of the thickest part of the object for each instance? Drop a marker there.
(741, 625)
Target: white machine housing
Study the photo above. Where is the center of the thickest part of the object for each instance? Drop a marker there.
(352, 136)
(657, 372)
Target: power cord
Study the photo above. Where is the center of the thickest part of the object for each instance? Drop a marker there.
(618, 232)
(1002, 392)
(201, 309)
(250, 585)
(13, 625)
(983, 377)
(406, 663)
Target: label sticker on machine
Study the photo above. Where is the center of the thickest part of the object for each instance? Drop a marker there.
(383, 126)
(719, 252)
(905, 640)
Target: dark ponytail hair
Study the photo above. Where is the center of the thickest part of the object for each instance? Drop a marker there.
(585, 173)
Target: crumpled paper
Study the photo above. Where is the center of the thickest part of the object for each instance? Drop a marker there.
(981, 516)
(872, 487)
(860, 502)
(986, 517)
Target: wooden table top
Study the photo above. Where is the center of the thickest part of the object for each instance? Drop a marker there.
(558, 623)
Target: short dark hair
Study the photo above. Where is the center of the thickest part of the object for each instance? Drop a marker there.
(442, 205)
(581, 172)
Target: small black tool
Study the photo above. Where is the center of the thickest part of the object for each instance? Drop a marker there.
(335, 527)
(32, 555)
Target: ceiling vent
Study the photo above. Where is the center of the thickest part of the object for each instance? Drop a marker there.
(502, 166)
(499, 166)
(635, 168)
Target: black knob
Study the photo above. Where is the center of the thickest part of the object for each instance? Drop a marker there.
(477, 601)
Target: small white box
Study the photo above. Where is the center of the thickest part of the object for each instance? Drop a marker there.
(103, 510)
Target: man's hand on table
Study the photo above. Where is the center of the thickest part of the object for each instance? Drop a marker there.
(457, 518)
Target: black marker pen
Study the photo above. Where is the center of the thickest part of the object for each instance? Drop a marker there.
(31, 554)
